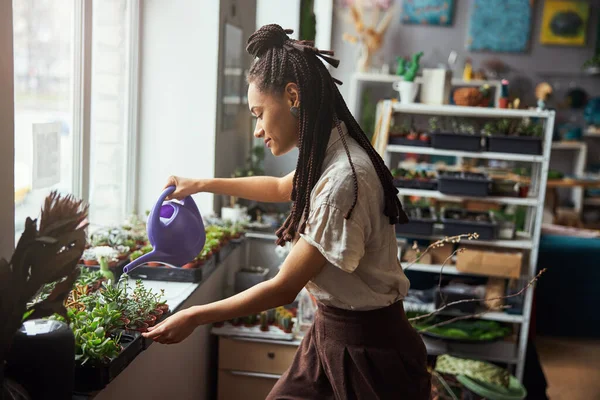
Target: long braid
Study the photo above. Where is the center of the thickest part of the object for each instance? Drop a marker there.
(281, 60)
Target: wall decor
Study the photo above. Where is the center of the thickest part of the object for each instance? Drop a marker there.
(427, 12)
(499, 25)
(565, 22)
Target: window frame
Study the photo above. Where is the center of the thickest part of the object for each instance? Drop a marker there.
(82, 102)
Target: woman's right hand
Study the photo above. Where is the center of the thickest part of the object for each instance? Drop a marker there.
(183, 187)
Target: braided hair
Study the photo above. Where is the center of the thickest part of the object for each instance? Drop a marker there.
(281, 60)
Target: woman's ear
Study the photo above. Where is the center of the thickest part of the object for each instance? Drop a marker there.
(292, 95)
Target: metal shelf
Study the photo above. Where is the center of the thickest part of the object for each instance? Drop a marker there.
(260, 235)
(490, 316)
(525, 244)
(463, 111)
(434, 194)
(392, 148)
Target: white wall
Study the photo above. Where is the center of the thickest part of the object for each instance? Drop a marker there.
(283, 13)
(7, 132)
(178, 86)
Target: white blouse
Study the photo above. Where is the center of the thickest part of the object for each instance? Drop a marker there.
(362, 271)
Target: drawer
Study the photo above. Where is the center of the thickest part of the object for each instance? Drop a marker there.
(243, 355)
(235, 385)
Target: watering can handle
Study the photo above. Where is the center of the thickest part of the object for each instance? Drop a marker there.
(156, 210)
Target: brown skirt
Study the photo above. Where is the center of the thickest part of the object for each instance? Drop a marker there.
(358, 355)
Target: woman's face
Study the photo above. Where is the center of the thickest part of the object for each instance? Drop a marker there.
(275, 124)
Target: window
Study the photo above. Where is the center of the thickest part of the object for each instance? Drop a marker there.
(48, 42)
(109, 118)
(43, 65)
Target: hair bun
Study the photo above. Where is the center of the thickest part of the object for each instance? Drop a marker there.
(266, 38)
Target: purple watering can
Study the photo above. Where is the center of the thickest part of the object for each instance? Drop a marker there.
(175, 230)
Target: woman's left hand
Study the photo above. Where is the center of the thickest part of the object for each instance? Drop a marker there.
(173, 329)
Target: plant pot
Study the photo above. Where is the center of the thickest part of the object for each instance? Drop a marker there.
(153, 264)
(163, 307)
(190, 265)
(468, 223)
(151, 320)
(515, 144)
(41, 359)
(463, 183)
(420, 226)
(456, 141)
(90, 263)
(138, 326)
(422, 183)
(407, 91)
(157, 312)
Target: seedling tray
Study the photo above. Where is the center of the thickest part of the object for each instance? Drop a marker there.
(424, 184)
(117, 270)
(481, 223)
(403, 141)
(464, 183)
(515, 144)
(170, 274)
(420, 226)
(93, 378)
(456, 141)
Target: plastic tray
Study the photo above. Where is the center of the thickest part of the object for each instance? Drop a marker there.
(515, 144)
(418, 226)
(402, 141)
(456, 141)
(464, 184)
(454, 227)
(424, 184)
(170, 274)
(93, 378)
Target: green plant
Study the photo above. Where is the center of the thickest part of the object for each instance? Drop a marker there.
(489, 129)
(92, 342)
(408, 69)
(308, 21)
(45, 254)
(434, 124)
(368, 114)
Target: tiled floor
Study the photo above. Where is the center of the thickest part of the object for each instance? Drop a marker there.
(572, 368)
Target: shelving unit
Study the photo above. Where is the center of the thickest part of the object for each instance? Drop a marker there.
(506, 351)
(573, 165)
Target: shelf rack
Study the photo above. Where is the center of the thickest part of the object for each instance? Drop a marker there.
(507, 352)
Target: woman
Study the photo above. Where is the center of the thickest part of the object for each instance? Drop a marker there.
(344, 207)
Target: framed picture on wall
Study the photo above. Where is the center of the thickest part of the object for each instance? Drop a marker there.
(565, 23)
(427, 12)
(499, 25)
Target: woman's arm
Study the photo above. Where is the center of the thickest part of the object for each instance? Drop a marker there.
(266, 189)
(303, 263)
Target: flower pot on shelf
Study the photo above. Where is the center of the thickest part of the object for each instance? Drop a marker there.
(407, 91)
(90, 263)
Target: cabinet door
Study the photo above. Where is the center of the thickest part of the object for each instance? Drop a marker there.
(236, 385)
(266, 358)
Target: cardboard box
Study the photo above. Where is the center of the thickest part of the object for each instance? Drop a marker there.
(440, 254)
(490, 263)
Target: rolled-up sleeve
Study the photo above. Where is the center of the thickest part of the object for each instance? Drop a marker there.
(340, 240)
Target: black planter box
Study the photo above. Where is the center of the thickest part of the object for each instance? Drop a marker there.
(423, 184)
(417, 226)
(454, 227)
(402, 141)
(456, 141)
(515, 144)
(93, 378)
(162, 273)
(464, 183)
(146, 342)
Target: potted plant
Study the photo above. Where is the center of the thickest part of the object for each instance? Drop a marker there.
(47, 253)
(513, 136)
(421, 222)
(464, 183)
(408, 88)
(89, 257)
(458, 221)
(458, 135)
